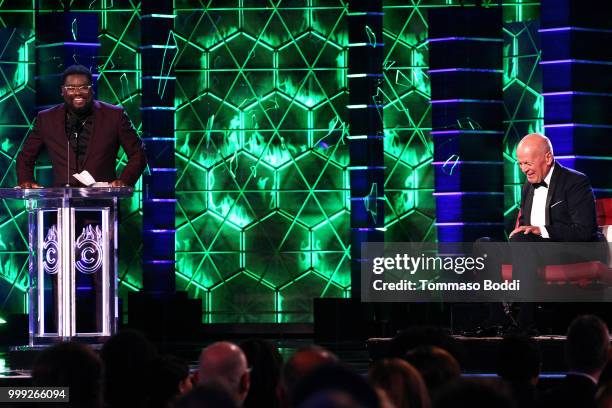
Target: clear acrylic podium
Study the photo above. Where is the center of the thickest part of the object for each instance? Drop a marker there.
(72, 234)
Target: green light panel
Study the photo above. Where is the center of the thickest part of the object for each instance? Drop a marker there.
(262, 215)
(405, 91)
(16, 113)
(523, 105)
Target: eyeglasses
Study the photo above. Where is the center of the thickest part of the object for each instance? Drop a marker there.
(75, 88)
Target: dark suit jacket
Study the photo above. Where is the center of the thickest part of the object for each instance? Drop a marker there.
(575, 391)
(111, 129)
(570, 207)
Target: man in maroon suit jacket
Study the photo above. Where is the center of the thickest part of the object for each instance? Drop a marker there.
(82, 134)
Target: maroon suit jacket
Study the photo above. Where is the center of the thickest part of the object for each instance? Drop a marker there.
(111, 129)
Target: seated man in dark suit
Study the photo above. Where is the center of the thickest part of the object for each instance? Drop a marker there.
(82, 134)
(557, 205)
(587, 351)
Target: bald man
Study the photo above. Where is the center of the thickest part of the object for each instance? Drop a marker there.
(303, 362)
(224, 363)
(557, 205)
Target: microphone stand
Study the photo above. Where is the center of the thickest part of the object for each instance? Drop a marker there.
(75, 129)
(68, 167)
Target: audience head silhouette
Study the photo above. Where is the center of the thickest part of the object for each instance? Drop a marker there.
(266, 363)
(224, 363)
(588, 345)
(73, 365)
(128, 357)
(402, 383)
(437, 366)
(519, 359)
(301, 363)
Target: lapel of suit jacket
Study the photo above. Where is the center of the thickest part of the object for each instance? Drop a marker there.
(554, 180)
(96, 123)
(527, 205)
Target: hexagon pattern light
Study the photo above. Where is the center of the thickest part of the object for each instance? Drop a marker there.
(262, 214)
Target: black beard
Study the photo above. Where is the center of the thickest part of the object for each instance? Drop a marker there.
(81, 111)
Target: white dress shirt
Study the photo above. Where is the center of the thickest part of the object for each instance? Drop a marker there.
(538, 205)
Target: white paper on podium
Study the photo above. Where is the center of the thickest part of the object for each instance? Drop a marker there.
(87, 179)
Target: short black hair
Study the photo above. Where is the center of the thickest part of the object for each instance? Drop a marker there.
(587, 345)
(476, 393)
(77, 70)
(73, 365)
(518, 358)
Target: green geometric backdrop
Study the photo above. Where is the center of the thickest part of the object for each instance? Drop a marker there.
(262, 185)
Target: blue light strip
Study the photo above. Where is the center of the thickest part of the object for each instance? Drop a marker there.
(465, 101)
(69, 43)
(161, 200)
(467, 223)
(361, 168)
(575, 93)
(575, 61)
(560, 29)
(154, 108)
(365, 75)
(466, 132)
(158, 77)
(466, 193)
(445, 70)
(445, 39)
(571, 157)
(479, 162)
(576, 125)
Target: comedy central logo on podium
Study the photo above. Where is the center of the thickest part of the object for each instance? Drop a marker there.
(88, 251)
(50, 252)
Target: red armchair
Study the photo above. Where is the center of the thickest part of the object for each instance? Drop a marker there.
(583, 273)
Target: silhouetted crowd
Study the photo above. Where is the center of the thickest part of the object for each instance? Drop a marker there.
(424, 371)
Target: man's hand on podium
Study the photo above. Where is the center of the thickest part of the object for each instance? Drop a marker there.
(29, 184)
(118, 183)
